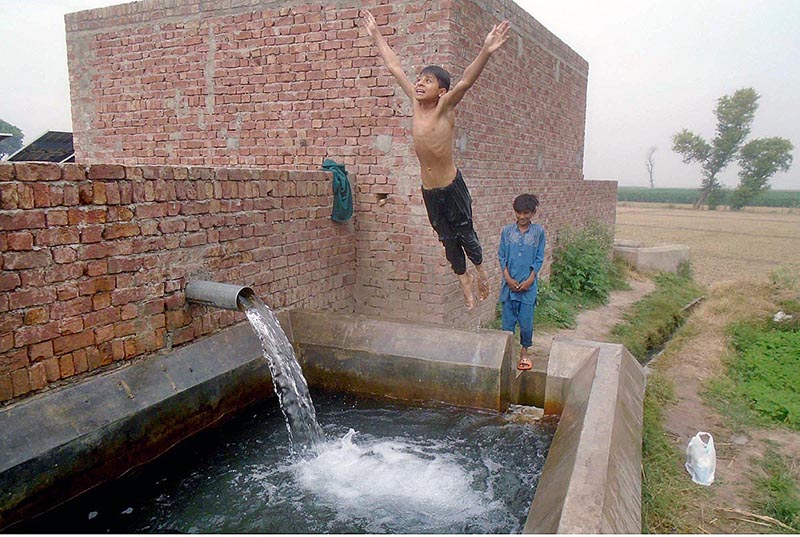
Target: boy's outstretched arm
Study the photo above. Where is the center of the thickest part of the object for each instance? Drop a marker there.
(494, 40)
(388, 55)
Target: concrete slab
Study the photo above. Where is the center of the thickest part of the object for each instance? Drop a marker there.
(662, 258)
(591, 481)
(361, 354)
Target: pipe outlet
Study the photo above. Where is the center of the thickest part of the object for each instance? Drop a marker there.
(218, 295)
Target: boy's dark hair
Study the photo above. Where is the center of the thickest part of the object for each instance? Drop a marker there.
(442, 76)
(526, 203)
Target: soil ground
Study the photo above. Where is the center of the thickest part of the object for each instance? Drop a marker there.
(735, 266)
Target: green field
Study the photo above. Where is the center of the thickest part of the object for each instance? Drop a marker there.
(769, 198)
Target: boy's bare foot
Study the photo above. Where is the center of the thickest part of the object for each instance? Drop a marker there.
(466, 287)
(483, 284)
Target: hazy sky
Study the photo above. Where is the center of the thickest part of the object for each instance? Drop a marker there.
(655, 67)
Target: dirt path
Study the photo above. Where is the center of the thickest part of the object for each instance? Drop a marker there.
(595, 324)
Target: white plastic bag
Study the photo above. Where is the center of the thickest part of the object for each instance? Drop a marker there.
(701, 458)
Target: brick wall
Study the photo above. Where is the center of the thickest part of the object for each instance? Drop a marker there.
(262, 84)
(95, 258)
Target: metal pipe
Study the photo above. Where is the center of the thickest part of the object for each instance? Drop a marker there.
(219, 295)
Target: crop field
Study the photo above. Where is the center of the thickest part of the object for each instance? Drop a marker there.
(768, 198)
(724, 245)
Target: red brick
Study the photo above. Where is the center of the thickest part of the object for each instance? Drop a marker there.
(92, 234)
(86, 216)
(131, 350)
(31, 297)
(34, 171)
(36, 316)
(57, 218)
(124, 296)
(98, 193)
(6, 342)
(97, 268)
(23, 220)
(26, 260)
(65, 254)
(106, 171)
(16, 359)
(74, 173)
(21, 382)
(79, 361)
(8, 281)
(85, 193)
(26, 335)
(38, 376)
(41, 195)
(65, 344)
(71, 326)
(7, 172)
(93, 358)
(116, 231)
(58, 235)
(52, 369)
(40, 351)
(6, 388)
(66, 366)
(20, 241)
(71, 308)
(117, 350)
(9, 197)
(104, 334)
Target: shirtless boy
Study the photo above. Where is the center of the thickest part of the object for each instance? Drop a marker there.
(446, 196)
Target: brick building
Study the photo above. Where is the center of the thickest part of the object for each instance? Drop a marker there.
(199, 129)
(283, 85)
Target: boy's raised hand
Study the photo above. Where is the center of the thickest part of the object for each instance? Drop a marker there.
(495, 39)
(369, 23)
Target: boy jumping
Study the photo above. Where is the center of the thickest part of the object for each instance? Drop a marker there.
(446, 196)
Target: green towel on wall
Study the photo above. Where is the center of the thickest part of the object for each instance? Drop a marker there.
(342, 195)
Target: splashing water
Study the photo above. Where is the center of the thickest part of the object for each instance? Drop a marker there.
(391, 484)
(406, 470)
(287, 376)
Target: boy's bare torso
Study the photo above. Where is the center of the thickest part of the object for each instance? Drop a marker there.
(432, 132)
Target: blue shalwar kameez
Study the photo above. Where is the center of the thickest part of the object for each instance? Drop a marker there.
(521, 253)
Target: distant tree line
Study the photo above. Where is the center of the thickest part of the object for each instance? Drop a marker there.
(720, 197)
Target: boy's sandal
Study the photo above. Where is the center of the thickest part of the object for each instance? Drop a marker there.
(524, 364)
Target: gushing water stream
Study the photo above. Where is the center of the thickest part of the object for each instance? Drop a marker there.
(287, 376)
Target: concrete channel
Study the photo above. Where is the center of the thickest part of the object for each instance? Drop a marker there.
(63, 442)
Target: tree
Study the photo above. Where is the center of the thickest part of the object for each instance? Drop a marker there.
(651, 164)
(735, 115)
(759, 160)
(11, 145)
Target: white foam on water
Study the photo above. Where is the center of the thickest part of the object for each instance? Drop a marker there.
(385, 480)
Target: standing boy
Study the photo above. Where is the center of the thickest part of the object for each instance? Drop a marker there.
(446, 197)
(521, 254)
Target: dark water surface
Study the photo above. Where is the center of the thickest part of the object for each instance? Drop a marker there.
(383, 467)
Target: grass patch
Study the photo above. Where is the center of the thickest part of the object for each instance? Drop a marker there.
(765, 369)
(667, 491)
(761, 384)
(652, 320)
(776, 493)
